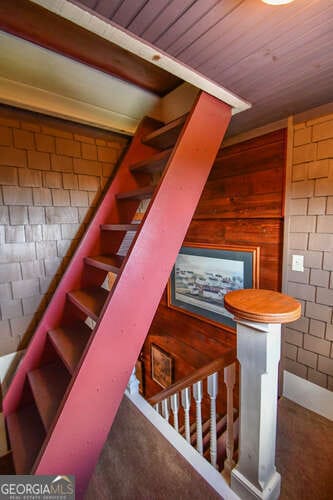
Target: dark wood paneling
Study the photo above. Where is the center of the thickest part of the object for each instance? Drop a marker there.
(38, 25)
(242, 204)
(265, 233)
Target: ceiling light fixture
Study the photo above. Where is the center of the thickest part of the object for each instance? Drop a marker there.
(277, 2)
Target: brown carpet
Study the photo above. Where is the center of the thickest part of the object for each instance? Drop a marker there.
(304, 454)
(136, 464)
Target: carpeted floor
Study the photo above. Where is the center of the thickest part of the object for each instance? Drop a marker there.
(304, 458)
(304, 454)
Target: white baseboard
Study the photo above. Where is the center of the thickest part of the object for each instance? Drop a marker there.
(199, 464)
(8, 364)
(309, 395)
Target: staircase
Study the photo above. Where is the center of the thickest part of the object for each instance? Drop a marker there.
(67, 389)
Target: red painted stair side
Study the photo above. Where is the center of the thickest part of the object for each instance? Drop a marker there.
(85, 419)
(88, 246)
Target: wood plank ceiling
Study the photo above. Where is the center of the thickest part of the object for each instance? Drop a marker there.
(278, 58)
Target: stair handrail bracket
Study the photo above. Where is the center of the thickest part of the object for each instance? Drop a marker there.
(258, 314)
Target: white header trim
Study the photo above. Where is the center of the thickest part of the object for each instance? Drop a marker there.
(136, 46)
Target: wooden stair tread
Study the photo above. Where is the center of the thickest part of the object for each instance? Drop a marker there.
(26, 435)
(70, 342)
(165, 137)
(137, 194)
(110, 263)
(154, 163)
(48, 384)
(120, 227)
(89, 300)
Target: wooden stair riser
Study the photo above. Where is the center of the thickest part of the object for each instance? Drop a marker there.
(107, 263)
(70, 344)
(89, 301)
(48, 384)
(72, 315)
(26, 440)
(136, 194)
(111, 241)
(127, 315)
(92, 277)
(165, 137)
(122, 228)
(154, 164)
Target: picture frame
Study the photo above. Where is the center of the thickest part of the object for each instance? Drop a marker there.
(161, 366)
(204, 273)
(139, 373)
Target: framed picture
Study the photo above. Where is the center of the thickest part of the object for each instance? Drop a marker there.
(203, 274)
(161, 366)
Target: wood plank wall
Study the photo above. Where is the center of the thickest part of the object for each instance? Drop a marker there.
(242, 204)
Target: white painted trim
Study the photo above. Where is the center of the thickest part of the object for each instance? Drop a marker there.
(6, 363)
(47, 82)
(43, 101)
(309, 395)
(199, 464)
(115, 34)
(175, 104)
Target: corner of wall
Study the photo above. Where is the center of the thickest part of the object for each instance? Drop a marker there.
(308, 342)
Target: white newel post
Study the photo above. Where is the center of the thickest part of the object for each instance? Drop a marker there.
(133, 384)
(258, 351)
(258, 314)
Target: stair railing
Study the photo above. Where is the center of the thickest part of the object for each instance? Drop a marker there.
(258, 315)
(179, 395)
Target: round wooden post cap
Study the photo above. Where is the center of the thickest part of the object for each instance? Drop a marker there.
(262, 306)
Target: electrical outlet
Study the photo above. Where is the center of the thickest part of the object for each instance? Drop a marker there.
(297, 263)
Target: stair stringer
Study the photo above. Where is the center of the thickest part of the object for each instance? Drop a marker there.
(92, 402)
(89, 245)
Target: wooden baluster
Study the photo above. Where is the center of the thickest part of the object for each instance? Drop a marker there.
(212, 389)
(197, 394)
(186, 403)
(174, 400)
(165, 409)
(229, 380)
(157, 407)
